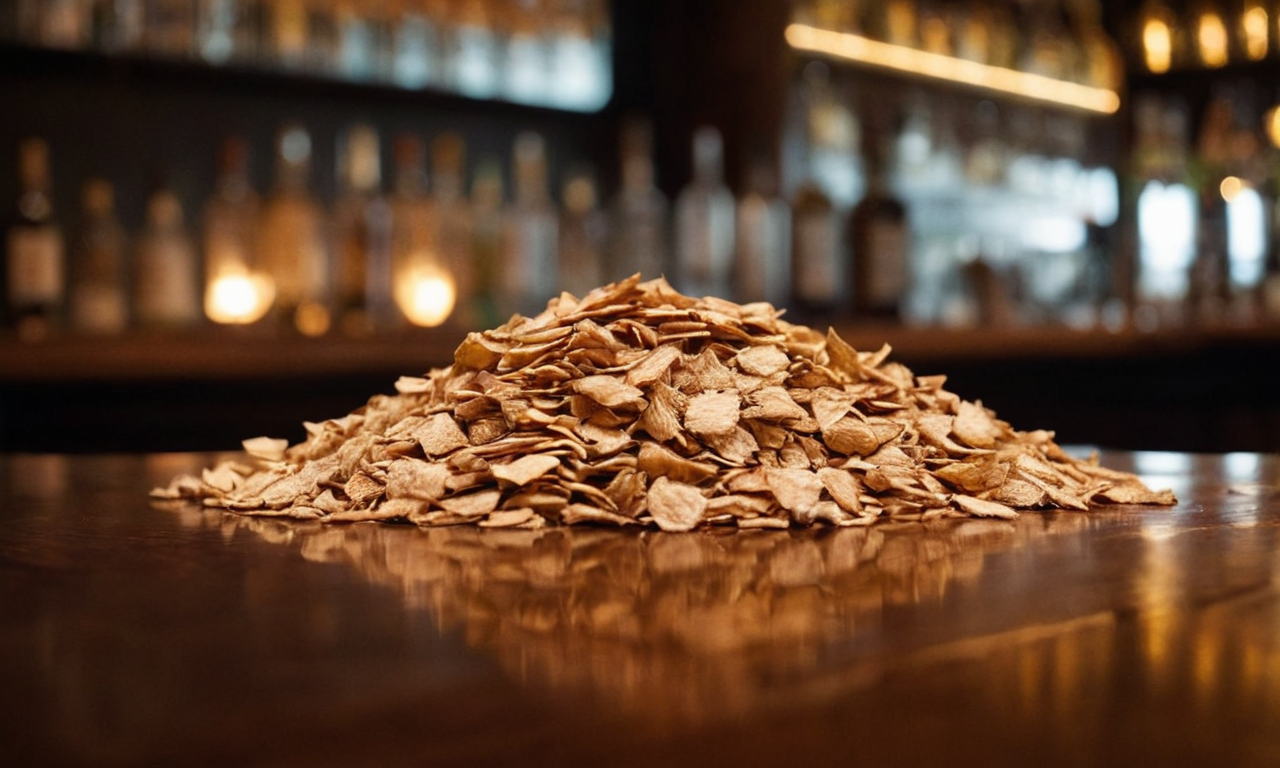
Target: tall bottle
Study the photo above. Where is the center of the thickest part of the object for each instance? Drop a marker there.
(97, 302)
(704, 222)
(639, 217)
(762, 257)
(363, 222)
(583, 230)
(231, 216)
(475, 67)
(879, 236)
(35, 269)
(415, 42)
(167, 275)
(424, 287)
(525, 70)
(292, 239)
(453, 237)
(529, 276)
(817, 259)
(485, 249)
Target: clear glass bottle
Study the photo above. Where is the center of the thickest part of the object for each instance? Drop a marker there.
(762, 257)
(583, 232)
(35, 268)
(97, 302)
(529, 277)
(818, 272)
(525, 70)
(476, 51)
(704, 222)
(362, 220)
(640, 211)
(166, 275)
(292, 239)
(414, 43)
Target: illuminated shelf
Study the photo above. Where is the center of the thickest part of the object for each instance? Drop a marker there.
(950, 69)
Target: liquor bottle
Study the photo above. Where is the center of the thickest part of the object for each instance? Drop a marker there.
(1255, 30)
(35, 272)
(879, 236)
(528, 277)
(288, 35)
(292, 239)
(817, 265)
(762, 257)
(453, 237)
(424, 288)
(170, 28)
(525, 71)
(476, 53)
(166, 278)
(639, 217)
(583, 230)
(488, 237)
(415, 42)
(704, 222)
(579, 64)
(118, 25)
(97, 300)
(63, 24)
(363, 231)
(357, 40)
(231, 216)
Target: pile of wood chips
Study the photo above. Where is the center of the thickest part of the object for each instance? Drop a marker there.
(639, 406)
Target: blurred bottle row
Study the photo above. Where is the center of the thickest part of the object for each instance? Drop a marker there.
(1205, 34)
(1059, 39)
(554, 53)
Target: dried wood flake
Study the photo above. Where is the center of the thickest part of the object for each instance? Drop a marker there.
(637, 405)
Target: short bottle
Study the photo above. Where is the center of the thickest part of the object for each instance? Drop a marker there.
(762, 254)
(583, 229)
(639, 221)
(97, 302)
(880, 237)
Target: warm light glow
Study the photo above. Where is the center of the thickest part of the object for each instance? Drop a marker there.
(426, 295)
(1254, 23)
(1157, 45)
(1230, 188)
(1213, 40)
(847, 45)
(1272, 124)
(239, 298)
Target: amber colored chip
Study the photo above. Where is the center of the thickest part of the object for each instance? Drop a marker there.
(662, 418)
(653, 366)
(713, 413)
(472, 504)
(412, 385)
(843, 487)
(266, 448)
(440, 435)
(657, 461)
(610, 392)
(975, 426)
(525, 469)
(983, 507)
(763, 360)
(797, 490)
(675, 506)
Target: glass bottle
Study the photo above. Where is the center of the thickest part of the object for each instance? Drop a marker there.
(35, 269)
(879, 237)
(579, 68)
(97, 265)
(288, 34)
(118, 25)
(170, 28)
(166, 279)
(476, 58)
(583, 229)
(525, 75)
(292, 238)
(639, 226)
(414, 44)
(453, 236)
(704, 222)
(363, 231)
(817, 264)
(231, 215)
(424, 288)
(528, 277)
(762, 257)
(487, 240)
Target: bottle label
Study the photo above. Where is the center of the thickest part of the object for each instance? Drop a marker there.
(887, 278)
(817, 259)
(35, 269)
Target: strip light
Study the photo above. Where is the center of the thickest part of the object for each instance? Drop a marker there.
(846, 45)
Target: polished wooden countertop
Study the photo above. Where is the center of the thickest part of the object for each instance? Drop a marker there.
(136, 634)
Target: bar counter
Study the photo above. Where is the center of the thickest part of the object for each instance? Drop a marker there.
(135, 633)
